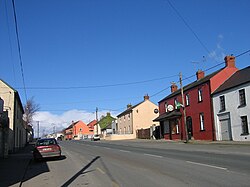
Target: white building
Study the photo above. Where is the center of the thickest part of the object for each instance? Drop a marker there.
(231, 102)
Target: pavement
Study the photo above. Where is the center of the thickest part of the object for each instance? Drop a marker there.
(14, 167)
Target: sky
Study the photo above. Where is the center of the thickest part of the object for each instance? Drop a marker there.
(81, 55)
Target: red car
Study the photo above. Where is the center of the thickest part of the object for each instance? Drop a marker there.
(46, 148)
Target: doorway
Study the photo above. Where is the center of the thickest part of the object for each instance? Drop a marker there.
(189, 127)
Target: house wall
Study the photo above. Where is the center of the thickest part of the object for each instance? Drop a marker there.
(17, 133)
(125, 124)
(235, 113)
(143, 116)
(80, 129)
(193, 110)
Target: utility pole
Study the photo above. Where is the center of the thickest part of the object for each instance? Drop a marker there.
(184, 110)
(38, 129)
(96, 116)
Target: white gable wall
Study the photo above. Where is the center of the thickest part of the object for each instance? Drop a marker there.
(233, 112)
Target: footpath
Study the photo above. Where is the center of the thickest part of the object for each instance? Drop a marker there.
(13, 168)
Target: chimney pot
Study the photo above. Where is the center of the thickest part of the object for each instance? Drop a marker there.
(174, 87)
(146, 97)
(230, 61)
(200, 74)
(129, 106)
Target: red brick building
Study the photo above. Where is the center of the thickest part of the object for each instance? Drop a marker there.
(197, 103)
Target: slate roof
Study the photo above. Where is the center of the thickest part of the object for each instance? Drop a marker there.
(129, 109)
(192, 85)
(238, 78)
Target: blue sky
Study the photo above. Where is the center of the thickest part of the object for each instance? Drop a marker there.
(96, 49)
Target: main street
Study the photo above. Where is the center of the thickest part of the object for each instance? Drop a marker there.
(128, 163)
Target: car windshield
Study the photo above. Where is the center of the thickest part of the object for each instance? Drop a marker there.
(46, 142)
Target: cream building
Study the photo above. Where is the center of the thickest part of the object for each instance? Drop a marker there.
(137, 117)
(17, 135)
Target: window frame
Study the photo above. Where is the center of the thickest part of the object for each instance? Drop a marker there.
(200, 98)
(242, 98)
(222, 103)
(202, 119)
(187, 97)
(244, 126)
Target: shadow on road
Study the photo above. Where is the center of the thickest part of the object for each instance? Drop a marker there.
(67, 183)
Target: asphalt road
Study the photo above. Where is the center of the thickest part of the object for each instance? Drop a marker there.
(143, 164)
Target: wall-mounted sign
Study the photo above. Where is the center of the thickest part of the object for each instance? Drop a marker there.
(170, 108)
(156, 111)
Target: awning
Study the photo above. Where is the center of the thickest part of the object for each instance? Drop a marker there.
(169, 115)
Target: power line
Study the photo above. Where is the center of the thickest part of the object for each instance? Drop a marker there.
(19, 48)
(97, 86)
(188, 26)
(219, 64)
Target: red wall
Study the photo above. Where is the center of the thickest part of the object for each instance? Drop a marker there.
(193, 110)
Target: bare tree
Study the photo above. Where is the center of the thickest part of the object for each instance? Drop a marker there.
(30, 108)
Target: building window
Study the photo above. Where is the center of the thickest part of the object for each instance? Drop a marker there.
(222, 103)
(199, 95)
(187, 99)
(174, 127)
(166, 107)
(129, 116)
(244, 125)
(242, 98)
(175, 103)
(202, 127)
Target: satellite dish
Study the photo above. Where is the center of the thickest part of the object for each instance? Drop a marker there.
(170, 108)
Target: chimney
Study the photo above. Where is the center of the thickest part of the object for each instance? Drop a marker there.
(173, 87)
(129, 106)
(146, 97)
(230, 61)
(200, 74)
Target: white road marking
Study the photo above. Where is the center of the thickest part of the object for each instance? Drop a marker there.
(99, 169)
(207, 165)
(106, 148)
(124, 151)
(157, 156)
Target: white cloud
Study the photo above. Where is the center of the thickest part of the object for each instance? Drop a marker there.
(48, 121)
(218, 54)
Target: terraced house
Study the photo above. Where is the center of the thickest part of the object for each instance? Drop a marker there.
(197, 103)
(17, 134)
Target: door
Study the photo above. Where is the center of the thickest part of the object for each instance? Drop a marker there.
(189, 128)
(225, 129)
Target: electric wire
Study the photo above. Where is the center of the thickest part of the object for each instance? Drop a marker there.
(188, 26)
(208, 69)
(97, 86)
(19, 48)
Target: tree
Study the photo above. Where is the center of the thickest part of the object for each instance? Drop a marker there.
(30, 108)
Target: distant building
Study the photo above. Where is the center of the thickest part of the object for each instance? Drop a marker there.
(104, 125)
(231, 103)
(139, 116)
(77, 130)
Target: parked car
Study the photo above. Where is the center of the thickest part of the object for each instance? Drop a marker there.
(46, 148)
(95, 137)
